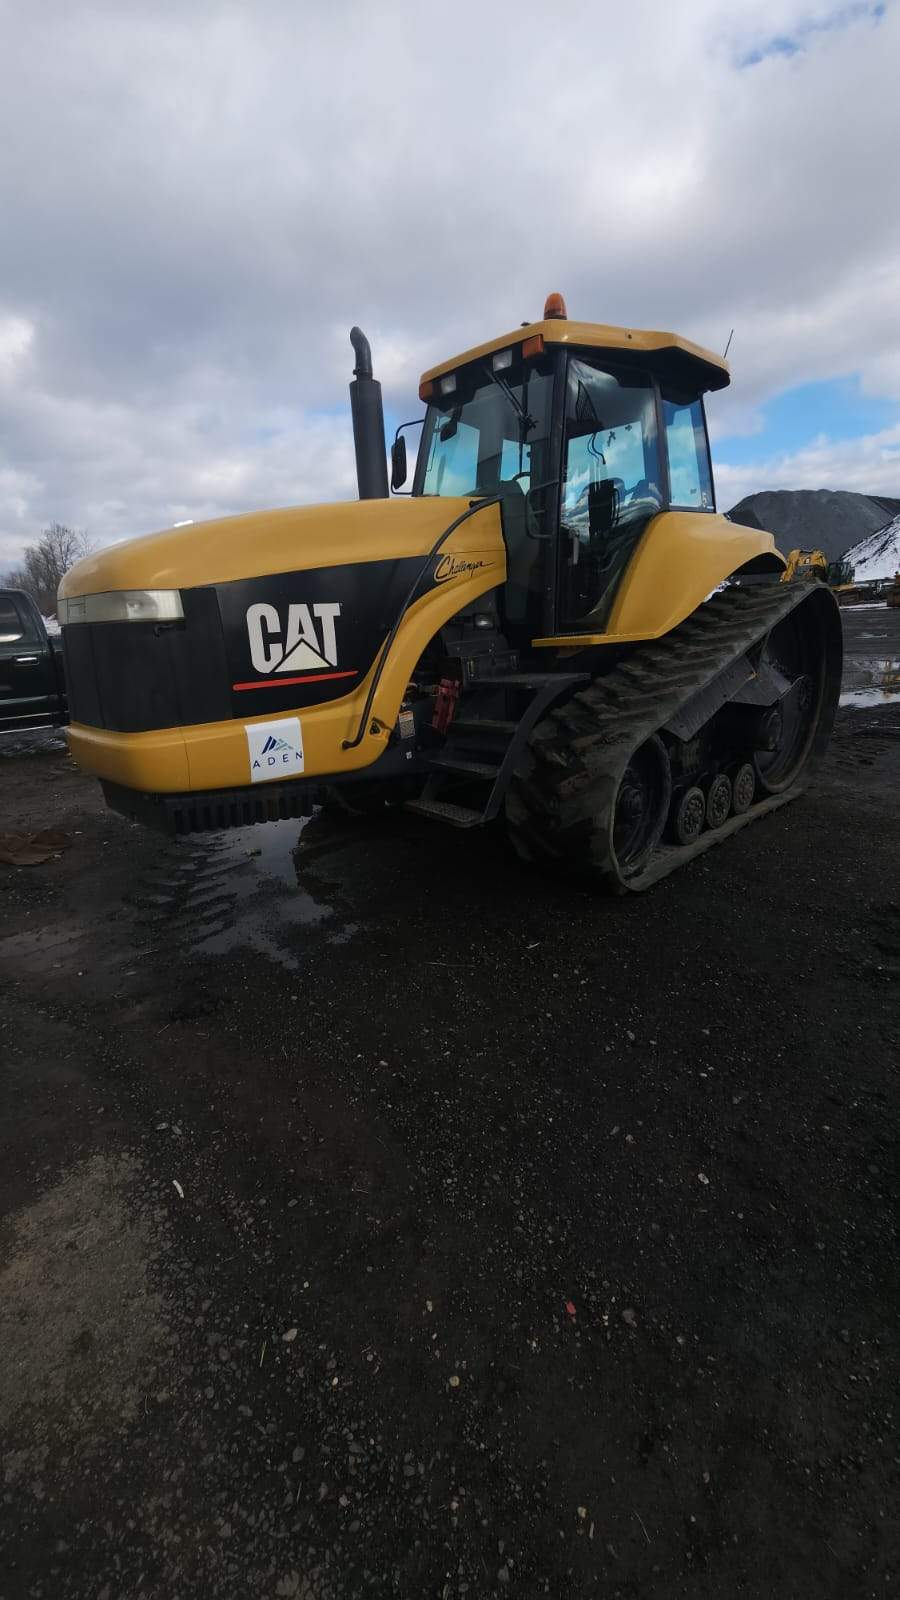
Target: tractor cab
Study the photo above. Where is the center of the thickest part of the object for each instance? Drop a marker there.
(585, 433)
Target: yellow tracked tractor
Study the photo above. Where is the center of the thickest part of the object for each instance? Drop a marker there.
(553, 625)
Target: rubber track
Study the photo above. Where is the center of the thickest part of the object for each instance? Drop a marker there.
(561, 799)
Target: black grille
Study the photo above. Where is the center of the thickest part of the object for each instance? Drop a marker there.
(132, 676)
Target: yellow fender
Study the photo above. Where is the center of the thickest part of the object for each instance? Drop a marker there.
(682, 558)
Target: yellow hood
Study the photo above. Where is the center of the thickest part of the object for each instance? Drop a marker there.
(293, 539)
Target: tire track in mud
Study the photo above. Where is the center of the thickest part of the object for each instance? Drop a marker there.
(237, 890)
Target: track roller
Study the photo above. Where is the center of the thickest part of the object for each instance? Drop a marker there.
(718, 800)
(743, 788)
(689, 817)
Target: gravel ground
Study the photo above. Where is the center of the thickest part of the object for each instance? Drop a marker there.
(420, 1227)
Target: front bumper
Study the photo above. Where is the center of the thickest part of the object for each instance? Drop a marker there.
(214, 755)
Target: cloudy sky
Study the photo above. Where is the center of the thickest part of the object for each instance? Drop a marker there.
(197, 200)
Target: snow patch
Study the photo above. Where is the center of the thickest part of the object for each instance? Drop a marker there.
(878, 556)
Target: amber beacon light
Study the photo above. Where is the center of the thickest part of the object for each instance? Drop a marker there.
(555, 307)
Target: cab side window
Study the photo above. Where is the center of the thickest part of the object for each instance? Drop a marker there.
(15, 625)
(453, 459)
(690, 479)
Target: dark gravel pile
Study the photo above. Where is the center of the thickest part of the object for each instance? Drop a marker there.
(832, 520)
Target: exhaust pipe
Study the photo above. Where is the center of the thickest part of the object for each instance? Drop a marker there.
(368, 423)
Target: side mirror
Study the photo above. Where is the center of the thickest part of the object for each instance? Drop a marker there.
(398, 457)
(398, 462)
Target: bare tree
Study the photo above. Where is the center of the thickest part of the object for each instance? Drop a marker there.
(44, 563)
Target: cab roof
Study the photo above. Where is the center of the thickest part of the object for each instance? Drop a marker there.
(670, 354)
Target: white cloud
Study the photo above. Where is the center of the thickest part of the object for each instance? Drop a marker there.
(18, 492)
(870, 465)
(16, 339)
(199, 201)
(129, 472)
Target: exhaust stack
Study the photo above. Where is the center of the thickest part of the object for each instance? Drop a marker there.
(368, 423)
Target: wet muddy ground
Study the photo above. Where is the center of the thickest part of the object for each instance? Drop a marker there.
(380, 1219)
(871, 655)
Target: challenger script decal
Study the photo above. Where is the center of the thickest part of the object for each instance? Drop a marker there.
(455, 567)
(302, 650)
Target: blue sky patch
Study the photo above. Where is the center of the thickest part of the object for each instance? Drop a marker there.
(792, 44)
(836, 408)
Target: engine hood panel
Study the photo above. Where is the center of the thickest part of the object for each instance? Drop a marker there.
(293, 539)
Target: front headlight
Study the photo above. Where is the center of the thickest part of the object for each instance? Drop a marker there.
(122, 605)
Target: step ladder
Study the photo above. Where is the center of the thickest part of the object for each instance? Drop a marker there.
(485, 749)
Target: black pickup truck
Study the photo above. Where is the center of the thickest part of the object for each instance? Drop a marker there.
(32, 686)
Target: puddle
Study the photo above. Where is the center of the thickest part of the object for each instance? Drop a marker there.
(870, 697)
(870, 681)
(243, 892)
(269, 846)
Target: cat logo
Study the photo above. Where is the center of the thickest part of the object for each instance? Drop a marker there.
(307, 644)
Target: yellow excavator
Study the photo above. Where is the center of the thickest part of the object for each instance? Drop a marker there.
(805, 564)
(550, 624)
(815, 564)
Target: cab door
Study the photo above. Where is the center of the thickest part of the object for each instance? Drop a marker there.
(28, 689)
(611, 485)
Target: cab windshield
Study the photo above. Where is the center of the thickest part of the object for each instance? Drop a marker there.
(491, 431)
